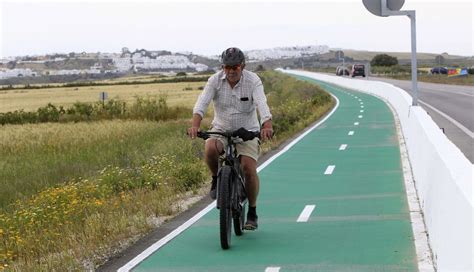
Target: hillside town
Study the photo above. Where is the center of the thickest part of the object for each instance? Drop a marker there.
(140, 60)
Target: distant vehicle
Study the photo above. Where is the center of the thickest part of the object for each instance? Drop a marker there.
(439, 70)
(342, 71)
(358, 70)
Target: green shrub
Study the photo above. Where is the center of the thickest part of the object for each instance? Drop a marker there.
(291, 101)
(50, 113)
(384, 60)
(149, 108)
(18, 117)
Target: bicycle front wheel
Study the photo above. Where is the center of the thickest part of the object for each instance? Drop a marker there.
(223, 198)
(239, 221)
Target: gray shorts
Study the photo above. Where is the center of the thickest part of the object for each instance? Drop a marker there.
(248, 148)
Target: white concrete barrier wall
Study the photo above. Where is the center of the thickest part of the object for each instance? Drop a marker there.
(443, 175)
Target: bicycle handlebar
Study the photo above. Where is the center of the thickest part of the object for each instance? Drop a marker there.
(241, 133)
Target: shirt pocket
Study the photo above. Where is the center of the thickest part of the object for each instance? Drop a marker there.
(245, 106)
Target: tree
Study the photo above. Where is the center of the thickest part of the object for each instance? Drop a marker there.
(384, 60)
(11, 64)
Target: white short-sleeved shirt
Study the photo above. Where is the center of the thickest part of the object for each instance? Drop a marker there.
(234, 107)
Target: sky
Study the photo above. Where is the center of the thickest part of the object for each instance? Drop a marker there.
(37, 27)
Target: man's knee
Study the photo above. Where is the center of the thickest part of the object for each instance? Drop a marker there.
(213, 148)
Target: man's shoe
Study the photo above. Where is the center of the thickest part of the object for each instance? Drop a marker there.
(252, 222)
(213, 192)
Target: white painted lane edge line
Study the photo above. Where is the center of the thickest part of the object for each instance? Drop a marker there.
(329, 170)
(350, 133)
(456, 123)
(272, 269)
(158, 244)
(306, 213)
(139, 258)
(362, 106)
(360, 116)
(343, 147)
(361, 110)
(356, 123)
(286, 148)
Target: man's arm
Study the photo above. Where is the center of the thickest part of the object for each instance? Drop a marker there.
(200, 108)
(264, 111)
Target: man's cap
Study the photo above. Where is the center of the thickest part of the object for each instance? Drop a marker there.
(233, 56)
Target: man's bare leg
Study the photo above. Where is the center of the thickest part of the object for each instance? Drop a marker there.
(211, 153)
(252, 184)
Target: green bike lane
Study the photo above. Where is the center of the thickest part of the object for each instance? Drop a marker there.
(360, 220)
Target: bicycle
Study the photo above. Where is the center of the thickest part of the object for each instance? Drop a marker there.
(231, 193)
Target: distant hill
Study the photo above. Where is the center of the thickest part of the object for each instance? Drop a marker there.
(85, 66)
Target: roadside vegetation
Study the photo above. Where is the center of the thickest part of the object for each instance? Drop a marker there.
(467, 80)
(384, 65)
(149, 108)
(75, 193)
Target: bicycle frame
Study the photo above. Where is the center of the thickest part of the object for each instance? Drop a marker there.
(231, 193)
(231, 159)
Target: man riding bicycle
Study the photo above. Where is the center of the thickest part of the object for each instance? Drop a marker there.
(236, 94)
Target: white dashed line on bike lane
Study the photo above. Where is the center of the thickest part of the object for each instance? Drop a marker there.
(343, 147)
(306, 213)
(272, 269)
(350, 133)
(329, 170)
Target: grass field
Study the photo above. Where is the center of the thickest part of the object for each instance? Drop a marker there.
(37, 156)
(69, 191)
(184, 94)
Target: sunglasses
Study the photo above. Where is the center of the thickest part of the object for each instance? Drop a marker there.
(232, 67)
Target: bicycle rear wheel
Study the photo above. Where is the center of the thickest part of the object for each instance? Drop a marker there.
(225, 214)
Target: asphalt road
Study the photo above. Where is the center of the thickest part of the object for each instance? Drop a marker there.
(450, 106)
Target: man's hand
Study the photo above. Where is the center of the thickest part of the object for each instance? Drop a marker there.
(192, 132)
(196, 123)
(266, 132)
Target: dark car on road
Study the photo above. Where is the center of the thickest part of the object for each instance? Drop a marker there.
(358, 70)
(439, 70)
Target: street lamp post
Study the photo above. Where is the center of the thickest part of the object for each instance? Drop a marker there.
(386, 8)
